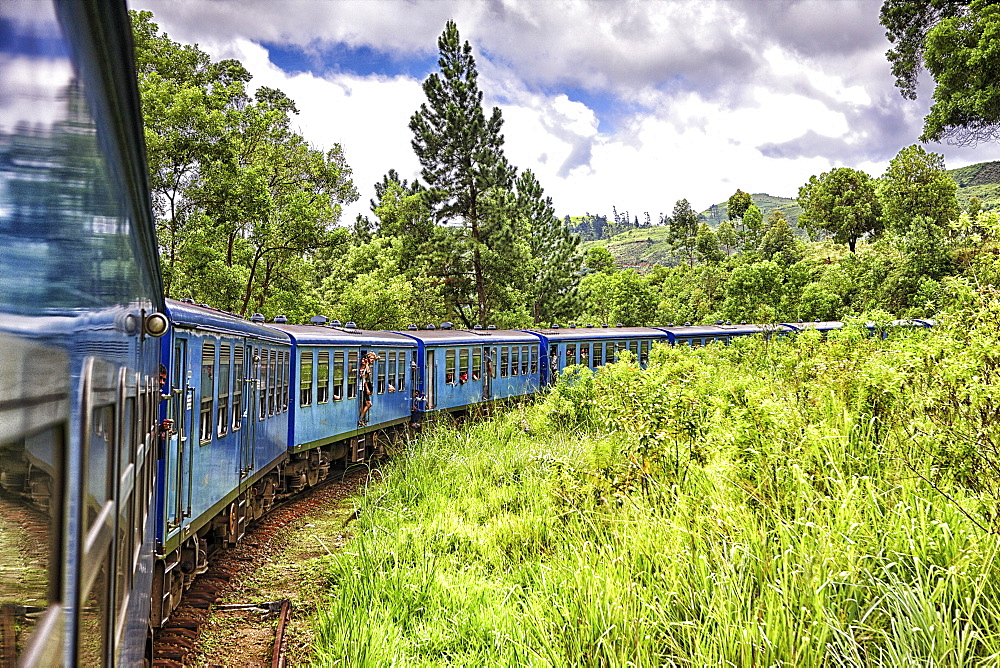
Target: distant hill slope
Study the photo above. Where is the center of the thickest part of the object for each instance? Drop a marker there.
(717, 213)
(983, 173)
(981, 180)
(644, 247)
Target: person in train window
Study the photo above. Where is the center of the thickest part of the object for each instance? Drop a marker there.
(463, 378)
(365, 378)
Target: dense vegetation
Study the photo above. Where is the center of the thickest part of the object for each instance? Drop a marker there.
(249, 220)
(788, 502)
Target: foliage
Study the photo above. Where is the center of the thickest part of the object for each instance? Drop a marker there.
(907, 23)
(462, 162)
(793, 501)
(555, 258)
(242, 202)
(916, 187)
(707, 245)
(503, 256)
(843, 201)
(957, 42)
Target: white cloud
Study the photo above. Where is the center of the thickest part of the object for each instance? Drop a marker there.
(703, 97)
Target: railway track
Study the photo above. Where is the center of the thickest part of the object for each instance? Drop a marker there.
(177, 643)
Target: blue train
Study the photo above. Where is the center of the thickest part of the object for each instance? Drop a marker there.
(137, 433)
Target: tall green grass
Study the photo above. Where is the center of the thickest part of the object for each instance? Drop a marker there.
(770, 503)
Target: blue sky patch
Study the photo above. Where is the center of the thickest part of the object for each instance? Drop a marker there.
(340, 57)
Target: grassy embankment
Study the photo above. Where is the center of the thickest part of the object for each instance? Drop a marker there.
(795, 502)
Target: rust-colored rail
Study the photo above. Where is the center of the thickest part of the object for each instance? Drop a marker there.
(277, 658)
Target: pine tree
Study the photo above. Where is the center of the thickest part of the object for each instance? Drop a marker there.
(556, 259)
(462, 162)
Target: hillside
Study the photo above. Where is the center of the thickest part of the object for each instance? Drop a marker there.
(644, 247)
(717, 213)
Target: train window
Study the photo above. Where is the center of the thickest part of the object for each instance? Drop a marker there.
(570, 354)
(285, 378)
(175, 382)
(239, 373)
(450, 376)
(30, 554)
(352, 374)
(126, 487)
(401, 372)
(272, 385)
(281, 383)
(477, 363)
(100, 446)
(585, 354)
(305, 378)
(222, 410)
(390, 370)
(323, 377)
(207, 389)
(525, 362)
(338, 375)
(262, 384)
(534, 359)
(514, 360)
(643, 352)
(463, 365)
(633, 346)
(504, 359)
(380, 364)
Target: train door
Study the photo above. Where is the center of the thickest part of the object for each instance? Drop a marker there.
(430, 380)
(553, 363)
(102, 424)
(242, 421)
(489, 359)
(180, 411)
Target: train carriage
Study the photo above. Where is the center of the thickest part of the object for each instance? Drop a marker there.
(328, 396)
(227, 383)
(459, 368)
(703, 335)
(593, 346)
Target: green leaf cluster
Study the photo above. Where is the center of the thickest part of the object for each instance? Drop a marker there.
(243, 203)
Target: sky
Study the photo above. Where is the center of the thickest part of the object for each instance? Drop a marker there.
(632, 104)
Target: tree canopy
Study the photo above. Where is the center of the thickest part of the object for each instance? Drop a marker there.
(844, 202)
(957, 41)
(242, 202)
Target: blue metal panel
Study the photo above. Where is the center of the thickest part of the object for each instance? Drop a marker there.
(79, 265)
(214, 466)
(439, 393)
(556, 340)
(337, 418)
(821, 326)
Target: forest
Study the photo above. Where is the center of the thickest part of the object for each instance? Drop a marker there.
(249, 219)
(786, 501)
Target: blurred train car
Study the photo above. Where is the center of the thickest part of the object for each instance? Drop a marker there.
(701, 335)
(80, 307)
